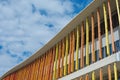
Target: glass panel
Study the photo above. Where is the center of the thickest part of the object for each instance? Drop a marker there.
(117, 45)
(104, 52)
(110, 49)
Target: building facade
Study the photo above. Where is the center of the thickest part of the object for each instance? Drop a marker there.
(88, 48)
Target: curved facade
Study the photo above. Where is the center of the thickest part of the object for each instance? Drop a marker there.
(88, 48)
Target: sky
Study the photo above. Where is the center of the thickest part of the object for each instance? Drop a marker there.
(27, 25)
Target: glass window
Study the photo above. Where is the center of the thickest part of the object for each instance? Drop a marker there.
(84, 61)
(90, 58)
(97, 55)
(117, 45)
(104, 52)
(110, 49)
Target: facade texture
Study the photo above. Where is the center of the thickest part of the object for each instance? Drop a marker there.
(88, 48)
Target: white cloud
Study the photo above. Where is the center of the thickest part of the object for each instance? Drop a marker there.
(26, 25)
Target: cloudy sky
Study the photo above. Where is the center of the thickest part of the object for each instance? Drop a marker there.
(26, 25)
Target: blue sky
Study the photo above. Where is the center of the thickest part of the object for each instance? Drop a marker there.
(26, 25)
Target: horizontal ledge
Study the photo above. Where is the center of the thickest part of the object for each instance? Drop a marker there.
(101, 63)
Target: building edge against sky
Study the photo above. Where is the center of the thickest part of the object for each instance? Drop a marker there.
(89, 44)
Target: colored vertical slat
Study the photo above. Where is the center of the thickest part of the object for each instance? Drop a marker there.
(72, 52)
(18, 74)
(55, 63)
(101, 74)
(58, 62)
(40, 66)
(87, 77)
(62, 61)
(99, 34)
(81, 78)
(45, 67)
(77, 48)
(66, 55)
(82, 46)
(28, 72)
(93, 37)
(51, 64)
(48, 62)
(32, 71)
(87, 42)
(106, 29)
(23, 73)
(93, 75)
(37, 69)
(115, 72)
(118, 11)
(42, 70)
(111, 26)
(109, 73)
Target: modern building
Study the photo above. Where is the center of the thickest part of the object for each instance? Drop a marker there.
(88, 48)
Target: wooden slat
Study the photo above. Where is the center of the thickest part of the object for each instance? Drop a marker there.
(62, 61)
(93, 37)
(81, 78)
(87, 77)
(59, 58)
(99, 34)
(111, 26)
(82, 46)
(72, 52)
(52, 64)
(101, 74)
(109, 73)
(42, 69)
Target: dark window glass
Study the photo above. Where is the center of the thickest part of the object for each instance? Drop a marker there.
(115, 20)
(97, 55)
(90, 58)
(104, 52)
(117, 45)
(79, 63)
(84, 61)
(74, 65)
(110, 49)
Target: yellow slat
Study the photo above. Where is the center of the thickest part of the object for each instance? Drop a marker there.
(106, 29)
(66, 55)
(87, 42)
(118, 10)
(77, 48)
(55, 63)
(115, 72)
(93, 75)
